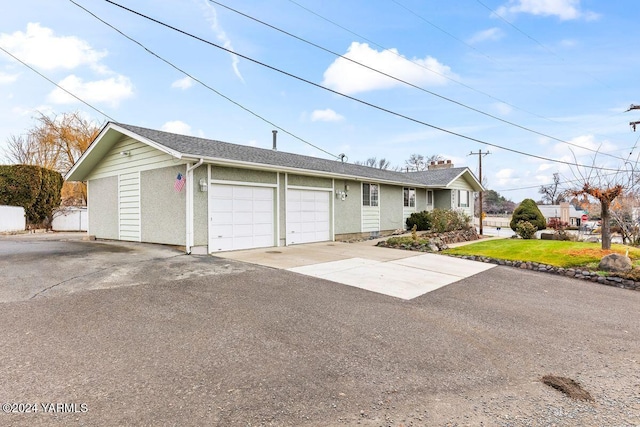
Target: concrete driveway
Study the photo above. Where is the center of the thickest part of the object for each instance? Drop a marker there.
(392, 272)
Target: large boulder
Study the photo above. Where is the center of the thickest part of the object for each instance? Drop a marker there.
(615, 263)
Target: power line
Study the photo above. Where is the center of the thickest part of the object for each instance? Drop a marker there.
(461, 104)
(56, 84)
(536, 41)
(286, 73)
(202, 83)
(421, 65)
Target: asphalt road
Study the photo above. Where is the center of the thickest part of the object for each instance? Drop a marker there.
(141, 335)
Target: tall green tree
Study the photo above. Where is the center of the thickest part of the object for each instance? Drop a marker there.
(528, 211)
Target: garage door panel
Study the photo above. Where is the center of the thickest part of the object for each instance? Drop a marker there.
(242, 217)
(263, 206)
(308, 218)
(242, 205)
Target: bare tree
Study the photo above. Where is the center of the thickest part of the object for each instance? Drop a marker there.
(605, 188)
(55, 142)
(552, 194)
(373, 162)
(417, 162)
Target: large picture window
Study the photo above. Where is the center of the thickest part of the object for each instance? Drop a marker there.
(369, 194)
(409, 197)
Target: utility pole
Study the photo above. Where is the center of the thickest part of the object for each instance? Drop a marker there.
(480, 155)
(634, 124)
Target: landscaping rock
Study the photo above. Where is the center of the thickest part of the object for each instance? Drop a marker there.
(615, 263)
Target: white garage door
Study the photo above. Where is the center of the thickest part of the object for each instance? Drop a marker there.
(307, 216)
(241, 217)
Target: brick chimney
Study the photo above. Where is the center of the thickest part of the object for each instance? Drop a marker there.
(441, 164)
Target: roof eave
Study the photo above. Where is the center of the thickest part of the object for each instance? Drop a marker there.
(82, 167)
(295, 170)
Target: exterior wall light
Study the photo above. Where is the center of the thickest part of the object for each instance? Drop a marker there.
(203, 185)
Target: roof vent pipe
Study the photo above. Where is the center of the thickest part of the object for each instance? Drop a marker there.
(275, 137)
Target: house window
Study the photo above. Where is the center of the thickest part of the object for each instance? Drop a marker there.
(409, 197)
(429, 198)
(463, 199)
(369, 194)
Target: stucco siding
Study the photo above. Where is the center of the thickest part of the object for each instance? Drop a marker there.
(103, 207)
(348, 212)
(309, 181)
(391, 207)
(242, 175)
(200, 206)
(139, 157)
(162, 207)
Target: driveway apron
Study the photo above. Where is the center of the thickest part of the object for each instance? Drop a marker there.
(396, 273)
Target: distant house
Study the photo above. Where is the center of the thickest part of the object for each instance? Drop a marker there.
(150, 186)
(565, 212)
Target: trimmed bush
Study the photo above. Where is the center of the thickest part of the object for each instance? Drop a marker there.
(526, 230)
(528, 211)
(421, 220)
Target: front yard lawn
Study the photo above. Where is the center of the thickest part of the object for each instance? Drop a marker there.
(552, 252)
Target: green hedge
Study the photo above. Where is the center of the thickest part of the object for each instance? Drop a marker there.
(34, 188)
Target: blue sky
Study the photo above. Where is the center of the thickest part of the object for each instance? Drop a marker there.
(566, 69)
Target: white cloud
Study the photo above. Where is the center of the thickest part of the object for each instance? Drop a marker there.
(110, 91)
(350, 78)
(507, 177)
(221, 35)
(177, 126)
(492, 34)
(327, 115)
(563, 9)
(503, 108)
(40, 47)
(544, 166)
(7, 78)
(184, 83)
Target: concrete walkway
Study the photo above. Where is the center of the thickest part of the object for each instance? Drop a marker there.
(393, 272)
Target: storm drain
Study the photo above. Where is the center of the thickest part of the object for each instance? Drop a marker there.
(567, 386)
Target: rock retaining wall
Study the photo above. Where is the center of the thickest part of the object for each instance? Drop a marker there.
(577, 273)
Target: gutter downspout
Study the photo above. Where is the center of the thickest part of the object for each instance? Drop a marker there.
(189, 206)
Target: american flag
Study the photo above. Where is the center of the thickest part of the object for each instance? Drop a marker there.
(180, 181)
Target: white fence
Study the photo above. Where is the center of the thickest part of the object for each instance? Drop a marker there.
(12, 218)
(70, 219)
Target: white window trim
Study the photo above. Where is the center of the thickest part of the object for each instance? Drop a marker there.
(378, 194)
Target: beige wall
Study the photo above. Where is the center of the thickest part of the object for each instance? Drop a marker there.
(200, 208)
(348, 212)
(308, 181)
(242, 175)
(391, 204)
(103, 207)
(163, 216)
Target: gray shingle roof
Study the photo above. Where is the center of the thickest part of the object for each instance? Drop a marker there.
(198, 147)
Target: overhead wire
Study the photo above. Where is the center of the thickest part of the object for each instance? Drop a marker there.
(393, 52)
(503, 19)
(203, 83)
(57, 85)
(461, 104)
(386, 110)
